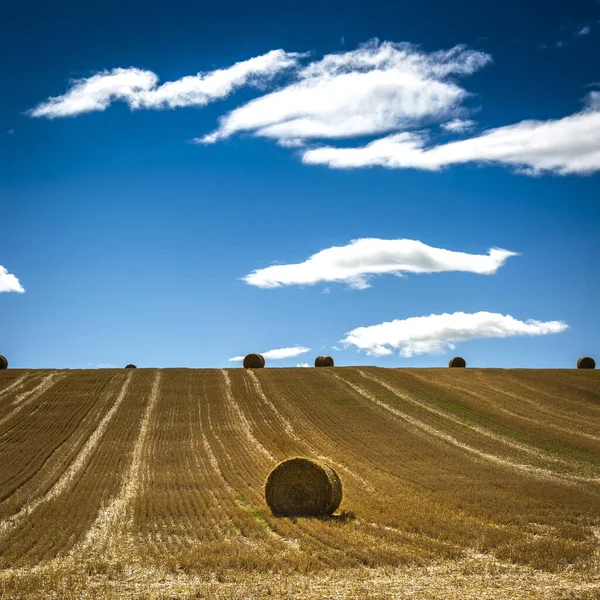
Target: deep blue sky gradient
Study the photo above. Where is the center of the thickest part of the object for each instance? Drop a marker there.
(130, 241)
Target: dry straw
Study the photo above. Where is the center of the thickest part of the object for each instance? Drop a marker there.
(586, 362)
(457, 361)
(323, 361)
(3, 362)
(301, 487)
(130, 366)
(254, 361)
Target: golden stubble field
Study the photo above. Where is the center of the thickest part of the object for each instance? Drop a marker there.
(148, 483)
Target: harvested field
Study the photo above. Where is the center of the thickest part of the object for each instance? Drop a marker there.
(149, 483)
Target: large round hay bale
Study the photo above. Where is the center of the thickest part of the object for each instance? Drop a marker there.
(301, 487)
(254, 361)
(328, 362)
(3, 362)
(130, 366)
(320, 361)
(586, 362)
(458, 361)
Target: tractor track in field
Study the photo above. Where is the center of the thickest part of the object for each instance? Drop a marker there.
(76, 466)
(425, 428)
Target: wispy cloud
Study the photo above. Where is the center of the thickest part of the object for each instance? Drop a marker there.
(278, 353)
(9, 283)
(585, 30)
(458, 125)
(140, 89)
(357, 261)
(570, 145)
(435, 334)
(376, 88)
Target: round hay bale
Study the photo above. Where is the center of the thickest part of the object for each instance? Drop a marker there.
(3, 362)
(320, 361)
(586, 362)
(458, 361)
(328, 362)
(254, 361)
(301, 487)
(130, 366)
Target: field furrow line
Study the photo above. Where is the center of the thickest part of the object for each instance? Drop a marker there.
(536, 406)
(290, 431)
(110, 523)
(232, 491)
(428, 429)
(245, 424)
(22, 400)
(15, 385)
(73, 470)
(481, 430)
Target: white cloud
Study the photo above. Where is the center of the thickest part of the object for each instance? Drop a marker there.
(435, 334)
(585, 30)
(570, 145)
(303, 365)
(458, 125)
(361, 258)
(140, 89)
(277, 354)
(377, 88)
(8, 282)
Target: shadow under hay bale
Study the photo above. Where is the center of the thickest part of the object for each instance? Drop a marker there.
(300, 487)
(254, 361)
(457, 361)
(3, 362)
(586, 362)
(130, 366)
(323, 361)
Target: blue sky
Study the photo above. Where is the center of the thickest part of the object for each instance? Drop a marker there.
(131, 229)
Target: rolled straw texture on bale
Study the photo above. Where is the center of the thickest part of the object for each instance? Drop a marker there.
(301, 487)
(586, 362)
(130, 366)
(254, 361)
(328, 361)
(3, 362)
(457, 361)
(320, 361)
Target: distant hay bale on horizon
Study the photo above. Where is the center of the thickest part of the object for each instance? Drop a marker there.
(323, 361)
(254, 361)
(130, 366)
(3, 362)
(457, 362)
(586, 362)
(300, 487)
